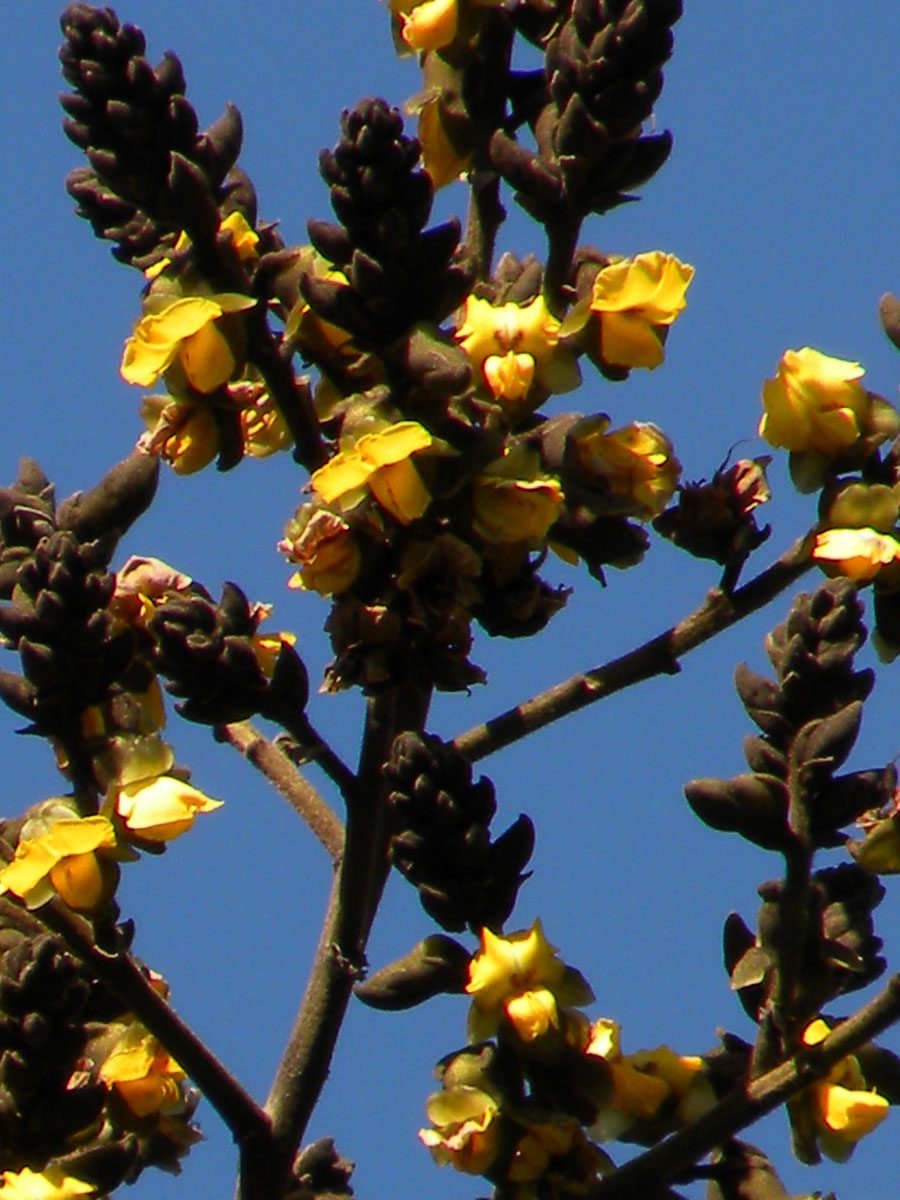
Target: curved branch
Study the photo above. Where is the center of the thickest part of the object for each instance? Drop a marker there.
(665, 1162)
(285, 778)
(659, 656)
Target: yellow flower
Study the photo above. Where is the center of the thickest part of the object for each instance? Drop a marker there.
(184, 434)
(382, 463)
(521, 978)
(244, 238)
(145, 1075)
(466, 1133)
(842, 1109)
(161, 809)
(635, 299)
(814, 403)
(426, 24)
(636, 463)
(184, 330)
(860, 554)
(57, 855)
(515, 346)
(327, 550)
(49, 1184)
(515, 510)
(153, 805)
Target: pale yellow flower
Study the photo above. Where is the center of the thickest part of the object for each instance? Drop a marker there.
(151, 804)
(327, 550)
(466, 1133)
(636, 462)
(181, 432)
(515, 510)
(814, 403)
(859, 554)
(635, 299)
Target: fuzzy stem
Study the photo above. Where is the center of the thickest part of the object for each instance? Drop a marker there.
(659, 656)
(285, 778)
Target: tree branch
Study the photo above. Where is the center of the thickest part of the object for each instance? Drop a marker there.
(663, 1163)
(285, 778)
(122, 975)
(659, 656)
(338, 962)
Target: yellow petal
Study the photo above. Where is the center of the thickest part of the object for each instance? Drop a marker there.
(430, 25)
(207, 358)
(157, 337)
(532, 1013)
(163, 808)
(851, 1114)
(399, 489)
(49, 1184)
(627, 339)
(35, 858)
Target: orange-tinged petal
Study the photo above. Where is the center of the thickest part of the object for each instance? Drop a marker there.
(430, 25)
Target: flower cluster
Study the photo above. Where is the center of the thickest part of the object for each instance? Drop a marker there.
(527, 1110)
(195, 340)
(818, 409)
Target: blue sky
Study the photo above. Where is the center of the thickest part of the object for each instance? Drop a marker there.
(782, 192)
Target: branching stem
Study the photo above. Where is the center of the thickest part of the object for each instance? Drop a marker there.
(659, 656)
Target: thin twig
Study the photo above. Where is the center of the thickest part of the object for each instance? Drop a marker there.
(659, 656)
(664, 1163)
(285, 778)
(315, 749)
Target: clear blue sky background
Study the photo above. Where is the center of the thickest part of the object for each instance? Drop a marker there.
(782, 191)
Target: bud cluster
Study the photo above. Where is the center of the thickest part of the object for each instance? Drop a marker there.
(151, 172)
(442, 841)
